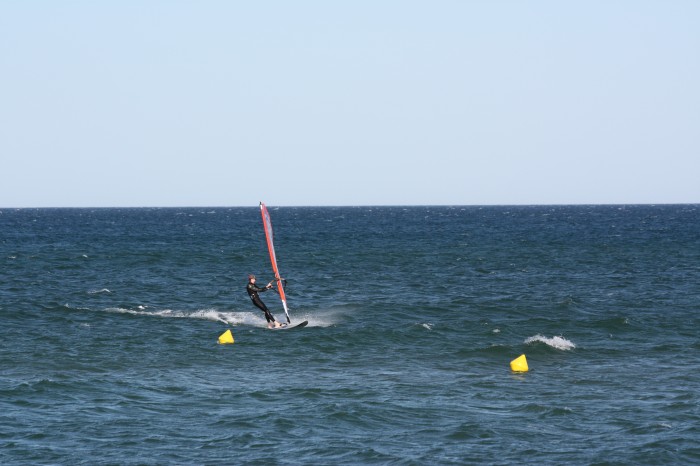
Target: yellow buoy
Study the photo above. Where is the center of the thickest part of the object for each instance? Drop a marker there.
(519, 364)
(226, 337)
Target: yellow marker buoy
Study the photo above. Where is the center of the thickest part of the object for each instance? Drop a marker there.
(226, 337)
(519, 364)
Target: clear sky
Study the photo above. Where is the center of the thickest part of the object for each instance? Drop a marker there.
(361, 102)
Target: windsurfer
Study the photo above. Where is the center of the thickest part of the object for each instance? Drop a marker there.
(253, 291)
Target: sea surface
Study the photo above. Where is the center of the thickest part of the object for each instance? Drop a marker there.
(110, 320)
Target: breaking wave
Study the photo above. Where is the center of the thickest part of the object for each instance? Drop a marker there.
(557, 342)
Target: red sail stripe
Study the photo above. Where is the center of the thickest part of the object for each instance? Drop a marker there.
(267, 223)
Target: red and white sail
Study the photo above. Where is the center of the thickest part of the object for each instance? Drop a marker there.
(273, 259)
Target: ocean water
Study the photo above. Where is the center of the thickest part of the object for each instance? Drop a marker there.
(110, 320)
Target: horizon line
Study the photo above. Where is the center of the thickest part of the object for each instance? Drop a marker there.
(612, 204)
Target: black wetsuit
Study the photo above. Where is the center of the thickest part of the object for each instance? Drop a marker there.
(253, 293)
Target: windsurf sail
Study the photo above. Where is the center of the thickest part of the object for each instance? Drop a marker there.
(273, 259)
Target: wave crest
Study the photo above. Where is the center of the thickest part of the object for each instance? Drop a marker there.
(557, 342)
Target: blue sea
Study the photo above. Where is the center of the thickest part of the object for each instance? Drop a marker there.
(110, 321)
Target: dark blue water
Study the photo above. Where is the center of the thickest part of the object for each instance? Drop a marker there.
(110, 320)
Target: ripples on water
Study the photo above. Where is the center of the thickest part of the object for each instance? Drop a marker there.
(110, 320)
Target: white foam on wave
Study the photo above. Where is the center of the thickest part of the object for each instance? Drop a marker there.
(202, 314)
(227, 317)
(103, 290)
(557, 342)
(325, 318)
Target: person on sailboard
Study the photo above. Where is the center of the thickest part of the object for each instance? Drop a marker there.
(253, 291)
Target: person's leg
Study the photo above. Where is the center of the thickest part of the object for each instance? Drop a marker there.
(268, 315)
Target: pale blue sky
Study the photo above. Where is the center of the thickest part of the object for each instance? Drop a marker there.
(224, 103)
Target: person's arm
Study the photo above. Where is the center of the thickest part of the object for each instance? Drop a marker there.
(257, 288)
